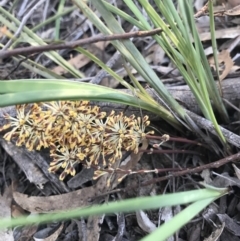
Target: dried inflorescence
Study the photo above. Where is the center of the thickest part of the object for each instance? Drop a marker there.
(75, 132)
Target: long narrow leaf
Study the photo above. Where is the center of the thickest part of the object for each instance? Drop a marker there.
(128, 50)
(26, 91)
(35, 40)
(182, 218)
(130, 205)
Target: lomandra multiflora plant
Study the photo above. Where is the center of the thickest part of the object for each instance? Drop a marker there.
(75, 132)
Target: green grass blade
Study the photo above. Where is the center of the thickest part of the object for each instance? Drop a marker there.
(33, 39)
(168, 229)
(30, 91)
(207, 84)
(213, 37)
(123, 15)
(58, 20)
(130, 205)
(128, 50)
(53, 18)
(195, 71)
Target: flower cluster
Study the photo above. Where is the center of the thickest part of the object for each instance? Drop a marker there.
(75, 132)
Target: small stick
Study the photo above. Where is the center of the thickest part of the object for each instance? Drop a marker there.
(176, 139)
(71, 45)
(169, 151)
(216, 164)
(202, 11)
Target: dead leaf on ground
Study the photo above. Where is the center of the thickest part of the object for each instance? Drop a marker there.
(237, 171)
(233, 3)
(39, 236)
(230, 224)
(233, 11)
(94, 227)
(56, 203)
(155, 55)
(80, 178)
(80, 60)
(17, 211)
(210, 212)
(32, 171)
(221, 34)
(194, 232)
(5, 212)
(225, 63)
(228, 236)
(216, 234)
(144, 222)
(224, 180)
(28, 233)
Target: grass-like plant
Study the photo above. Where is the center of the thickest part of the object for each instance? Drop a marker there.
(199, 199)
(176, 39)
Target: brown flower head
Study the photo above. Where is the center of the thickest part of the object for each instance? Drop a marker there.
(76, 132)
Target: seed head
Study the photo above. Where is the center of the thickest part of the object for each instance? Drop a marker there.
(76, 132)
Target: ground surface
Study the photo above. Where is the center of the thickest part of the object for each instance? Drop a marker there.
(28, 188)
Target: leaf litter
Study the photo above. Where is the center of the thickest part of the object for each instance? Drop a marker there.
(38, 192)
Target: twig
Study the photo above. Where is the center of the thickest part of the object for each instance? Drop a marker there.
(186, 171)
(215, 164)
(168, 151)
(71, 45)
(131, 172)
(230, 104)
(176, 139)
(201, 11)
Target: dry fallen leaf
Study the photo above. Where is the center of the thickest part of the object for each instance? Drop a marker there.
(216, 234)
(155, 55)
(233, 11)
(230, 224)
(28, 232)
(233, 3)
(221, 34)
(56, 203)
(80, 60)
(17, 211)
(237, 171)
(32, 171)
(144, 222)
(5, 212)
(94, 227)
(52, 237)
(225, 59)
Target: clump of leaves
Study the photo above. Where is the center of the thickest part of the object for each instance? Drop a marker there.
(75, 132)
